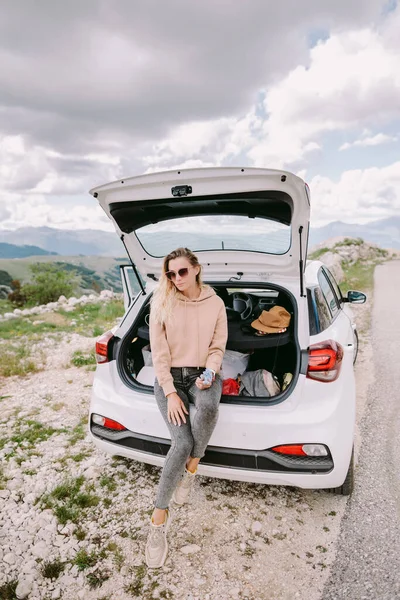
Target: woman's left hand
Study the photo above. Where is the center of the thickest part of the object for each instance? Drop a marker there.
(203, 386)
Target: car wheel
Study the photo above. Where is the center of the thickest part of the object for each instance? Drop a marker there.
(348, 485)
(355, 346)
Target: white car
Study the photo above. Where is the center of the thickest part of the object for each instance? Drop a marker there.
(249, 228)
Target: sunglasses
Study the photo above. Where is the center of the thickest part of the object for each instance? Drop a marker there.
(182, 273)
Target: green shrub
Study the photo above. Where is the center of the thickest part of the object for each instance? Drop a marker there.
(17, 297)
(49, 283)
(5, 278)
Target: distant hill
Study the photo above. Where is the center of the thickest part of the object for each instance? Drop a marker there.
(14, 251)
(80, 242)
(92, 242)
(95, 272)
(385, 232)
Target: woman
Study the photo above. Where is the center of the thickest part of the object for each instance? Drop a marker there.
(188, 335)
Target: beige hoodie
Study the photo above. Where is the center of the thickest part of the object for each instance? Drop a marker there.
(195, 336)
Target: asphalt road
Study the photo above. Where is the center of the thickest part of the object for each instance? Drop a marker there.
(367, 565)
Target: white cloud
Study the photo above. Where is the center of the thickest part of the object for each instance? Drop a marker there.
(358, 196)
(375, 140)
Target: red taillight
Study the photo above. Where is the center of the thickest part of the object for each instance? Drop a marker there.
(113, 424)
(102, 347)
(296, 449)
(106, 422)
(324, 361)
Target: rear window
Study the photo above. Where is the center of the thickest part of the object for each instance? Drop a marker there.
(216, 232)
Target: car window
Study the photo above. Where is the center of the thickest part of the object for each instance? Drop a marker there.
(328, 293)
(312, 316)
(324, 314)
(334, 284)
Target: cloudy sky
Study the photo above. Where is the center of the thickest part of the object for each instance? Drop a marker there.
(93, 91)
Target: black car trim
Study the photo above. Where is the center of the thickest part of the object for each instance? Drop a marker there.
(235, 458)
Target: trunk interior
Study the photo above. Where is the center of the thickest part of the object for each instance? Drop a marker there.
(275, 354)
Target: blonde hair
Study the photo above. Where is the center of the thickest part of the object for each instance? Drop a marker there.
(164, 296)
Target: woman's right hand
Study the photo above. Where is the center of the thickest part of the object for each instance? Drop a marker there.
(176, 409)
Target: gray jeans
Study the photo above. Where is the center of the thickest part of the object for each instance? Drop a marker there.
(188, 439)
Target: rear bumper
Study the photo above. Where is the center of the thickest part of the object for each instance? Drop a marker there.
(226, 463)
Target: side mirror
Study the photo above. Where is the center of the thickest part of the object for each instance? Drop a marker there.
(356, 297)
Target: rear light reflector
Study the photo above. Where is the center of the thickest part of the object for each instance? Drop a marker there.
(106, 422)
(102, 347)
(294, 449)
(325, 361)
(302, 449)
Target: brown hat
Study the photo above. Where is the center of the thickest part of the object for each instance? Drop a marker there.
(273, 320)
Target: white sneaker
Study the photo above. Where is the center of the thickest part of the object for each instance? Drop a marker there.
(157, 545)
(184, 487)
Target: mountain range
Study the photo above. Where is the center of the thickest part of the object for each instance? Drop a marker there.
(92, 242)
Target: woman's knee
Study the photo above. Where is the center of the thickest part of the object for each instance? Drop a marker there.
(208, 410)
(183, 446)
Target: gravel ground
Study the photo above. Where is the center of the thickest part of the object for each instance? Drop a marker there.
(368, 556)
(233, 540)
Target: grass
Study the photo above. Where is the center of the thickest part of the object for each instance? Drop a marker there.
(358, 276)
(23, 326)
(3, 481)
(17, 360)
(53, 569)
(83, 560)
(68, 502)
(97, 578)
(80, 359)
(34, 433)
(93, 319)
(89, 320)
(79, 432)
(8, 590)
(108, 482)
(316, 255)
(136, 587)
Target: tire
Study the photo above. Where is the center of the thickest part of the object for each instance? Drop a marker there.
(355, 346)
(347, 486)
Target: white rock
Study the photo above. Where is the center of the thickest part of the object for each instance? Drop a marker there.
(24, 588)
(62, 300)
(14, 484)
(51, 305)
(81, 594)
(29, 567)
(56, 593)
(10, 315)
(106, 294)
(26, 312)
(234, 592)
(41, 550)
(190, 549)
(256, 527)
(10, 558)
(242, 546)
(17, 311)
(72, 301)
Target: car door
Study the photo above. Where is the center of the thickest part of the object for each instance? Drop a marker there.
(345, 306)
(333, 321)
(131, 285)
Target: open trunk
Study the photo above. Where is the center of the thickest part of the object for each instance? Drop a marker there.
(277, 353)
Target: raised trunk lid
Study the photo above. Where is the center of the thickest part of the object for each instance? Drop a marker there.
(150, 213)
